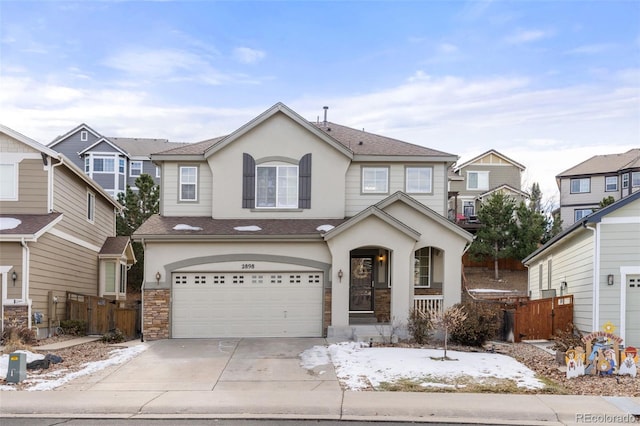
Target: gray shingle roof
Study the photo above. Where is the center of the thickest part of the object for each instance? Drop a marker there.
(114, 245)
(208, 227)
(144, 146)
(30, 224)
(609, 163)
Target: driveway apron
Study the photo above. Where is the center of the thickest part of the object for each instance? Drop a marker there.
(258, 364)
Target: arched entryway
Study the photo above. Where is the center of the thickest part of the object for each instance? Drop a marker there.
(369, 286)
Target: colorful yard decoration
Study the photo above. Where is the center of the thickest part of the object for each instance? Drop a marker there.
(629, 361)
(604, 352)
(575, 362)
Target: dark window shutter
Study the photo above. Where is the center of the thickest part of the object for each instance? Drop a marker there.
(304, 182)
(248, 181)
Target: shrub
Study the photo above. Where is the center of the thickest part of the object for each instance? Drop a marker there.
(74, 327)
(419, 325)
(113, 336)
(15, 337)
(569, 338)
(482, 323)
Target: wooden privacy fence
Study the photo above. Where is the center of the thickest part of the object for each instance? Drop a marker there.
(103, 315)
(540, 319)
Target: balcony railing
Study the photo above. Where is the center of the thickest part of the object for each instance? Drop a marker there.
(431, 304)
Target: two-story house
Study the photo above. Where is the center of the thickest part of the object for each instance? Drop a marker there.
(584, 186)
(473, 181)
(113, 162)
(57, 234)
(287, 227)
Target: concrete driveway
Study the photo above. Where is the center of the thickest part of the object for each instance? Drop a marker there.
(257, 364)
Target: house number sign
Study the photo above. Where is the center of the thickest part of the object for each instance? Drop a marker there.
(248, 266)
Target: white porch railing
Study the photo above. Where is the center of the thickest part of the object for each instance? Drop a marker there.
(428, 303)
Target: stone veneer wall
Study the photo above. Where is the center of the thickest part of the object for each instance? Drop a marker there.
(327, 311)
(156, 314)
(16, 316)
(382, 304)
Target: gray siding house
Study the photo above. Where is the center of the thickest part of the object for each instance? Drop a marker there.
(57, 234)
(582, 187)
(597, 260)
(113, 162)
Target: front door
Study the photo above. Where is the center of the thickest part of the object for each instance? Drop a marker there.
(361, 285)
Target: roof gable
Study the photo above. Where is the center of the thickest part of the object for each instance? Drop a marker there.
(608, 163)
(375, 212)
(504, 187)
(28, 141)
(278, 108)
(100, 141)
(491, 158)
(73, 131)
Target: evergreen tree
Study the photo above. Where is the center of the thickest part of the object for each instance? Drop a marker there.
(606, 201)
(138, 207)
(494, 239)
(530, 229)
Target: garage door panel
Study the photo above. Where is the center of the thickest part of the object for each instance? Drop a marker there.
(247, 305)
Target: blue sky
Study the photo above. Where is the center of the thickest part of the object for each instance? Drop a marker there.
(547, 83)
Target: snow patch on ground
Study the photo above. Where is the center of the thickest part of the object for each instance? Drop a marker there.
(358, 367)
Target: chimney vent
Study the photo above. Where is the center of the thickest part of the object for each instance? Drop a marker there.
(325, 114)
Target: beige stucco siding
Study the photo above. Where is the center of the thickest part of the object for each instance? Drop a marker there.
(279, 141)
(11, 256)
(170, 204)
(32, 189)
(54, 266)
(356, 201)
(71, 200)
(498, 175)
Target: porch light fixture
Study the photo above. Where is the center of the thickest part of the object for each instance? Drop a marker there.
(381, 258)
(14, 277)
(340, 275)
(610, 279)
(158, 276)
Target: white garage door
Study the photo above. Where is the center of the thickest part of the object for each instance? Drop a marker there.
(269, 304)
(633, 310)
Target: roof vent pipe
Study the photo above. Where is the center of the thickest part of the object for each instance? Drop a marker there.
(325, 114)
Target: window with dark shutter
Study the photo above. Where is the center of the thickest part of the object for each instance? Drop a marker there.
(304, 182)
(248, 181)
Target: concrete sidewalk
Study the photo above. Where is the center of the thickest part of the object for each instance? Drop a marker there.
(262, 378)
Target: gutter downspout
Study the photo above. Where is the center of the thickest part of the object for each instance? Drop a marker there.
(142, 298)
(25, 278)
(595, 309)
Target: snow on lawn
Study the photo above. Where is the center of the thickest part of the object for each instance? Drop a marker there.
(45, 380)
(358, 366)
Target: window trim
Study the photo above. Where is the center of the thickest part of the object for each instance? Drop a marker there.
(84, 136)
(196, 184)
(635, 182)
(15, 187)
(363, 190)
(158, 172)
(625, 181)
(606, 184)
(479, 173)
(429, 189)
(575, 214)
(580, 191)
(91, 207)
(131, 163)
(92, 163)
(278, 167)
(122, 166)
(418, 265)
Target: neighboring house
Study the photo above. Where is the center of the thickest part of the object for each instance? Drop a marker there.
(583, 187)
(112, 162)
(597, 260)
(291, 228)
(57, 234)
(473, 181)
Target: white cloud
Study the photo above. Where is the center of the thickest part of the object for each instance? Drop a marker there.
(247, 55)
(527, 36)
(447, 48)
(591, 49)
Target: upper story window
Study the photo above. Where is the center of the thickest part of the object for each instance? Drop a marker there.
(277, 186)
(419, 180)
(611, 183)
(84, 136)
(478, 180)
(135, 168)
(121, 166)
(625, 181)
(635, 179)
(375, 180)
(157, 171)
(188, 183)
(91, 206)
(580, 185)
(104, 164)
(580, 213)
(8, 182)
